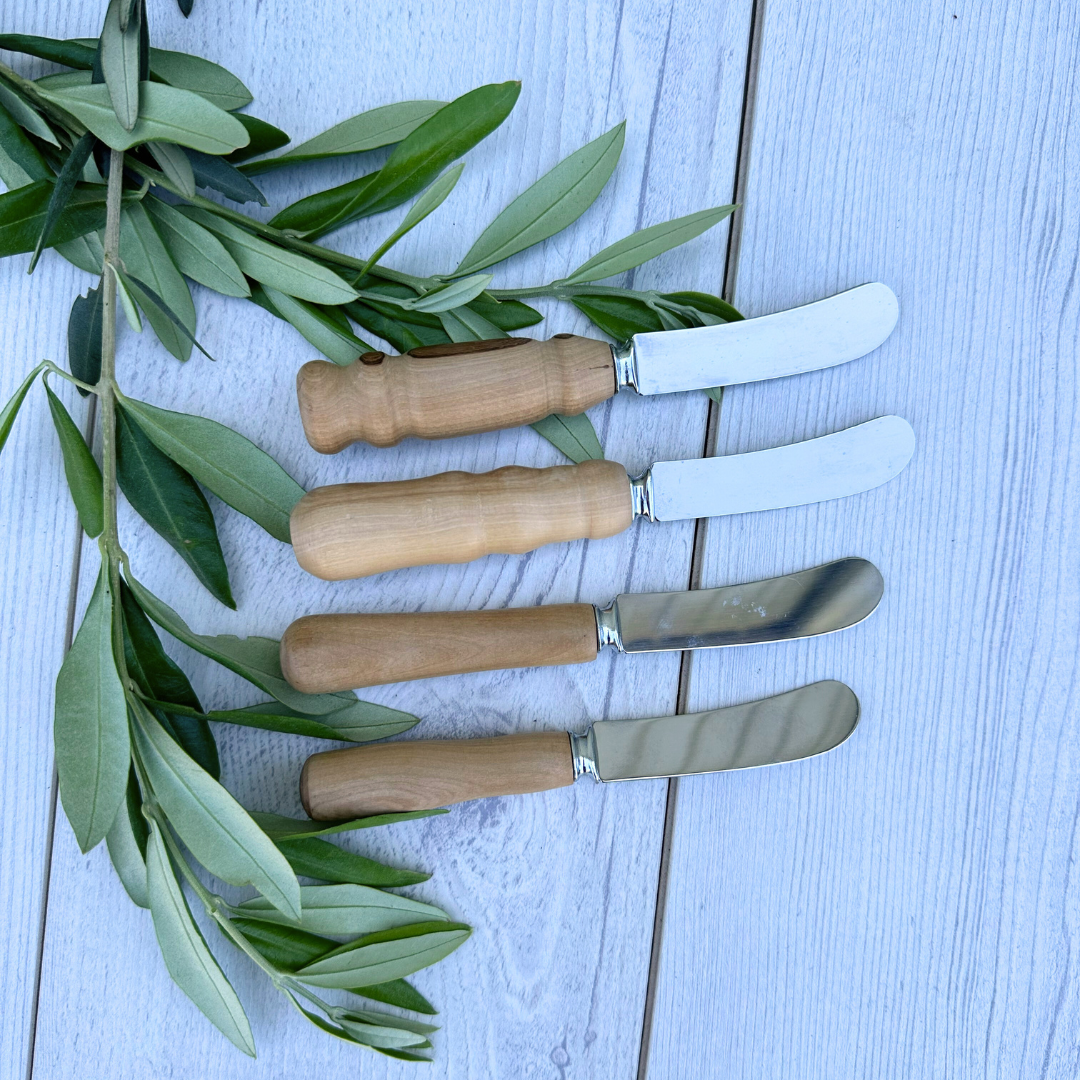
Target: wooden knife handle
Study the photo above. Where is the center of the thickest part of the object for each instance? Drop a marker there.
(351, 530)
(425, 774)
(436, 391)
(321, 654)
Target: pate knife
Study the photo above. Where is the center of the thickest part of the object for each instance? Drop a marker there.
(326, 653)
(414, 774)
(352, 530)
(461, 388)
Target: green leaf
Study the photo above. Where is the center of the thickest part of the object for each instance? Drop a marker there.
(90, 727)
(316, 858)
(170, 501)
(428, 202)
(84, 337)
(317, 327)
(25, 115)
(80, 469)
(147, 264)
(450, 296)
(264, 138)
(646, 244)
(256, 659)
(573, 435)
(21, 151)
(384, 956)
(232, 467)
(11, 409)
(556, 200)
(365, 131)
(707, 303)
(127, 302)
(378, 1036)
(280, 269)
(166, 114)
(69, 53)
(286, 947)
(203, 77)
(506, 314)
(477, 326)
(452, 131)
(23, 213)
(214, 826)
(185, 952)
(399, 332)
(345, 909)
(215, 172)
(61, 193)
(196, 251)
(120, 61)
(85, 252)
(618, 316)
(278, 827)
(185, 7)
(150, 301)
(175, 165)
(126, 841)
(397, 992)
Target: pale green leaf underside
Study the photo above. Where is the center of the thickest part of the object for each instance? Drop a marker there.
(382, 961)
(573, 435)
(120, 64)
(197, 252)
(336, 344)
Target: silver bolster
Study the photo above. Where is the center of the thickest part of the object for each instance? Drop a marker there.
(641, 495)
(583, 749)
(625, 365)
(607, 626)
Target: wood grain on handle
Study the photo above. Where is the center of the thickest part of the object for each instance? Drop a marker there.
(325, 653)
(437, 391)
(426, 774)
(351, 530)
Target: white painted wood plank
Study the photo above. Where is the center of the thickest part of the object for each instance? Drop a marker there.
(906, 906)
(560, 887)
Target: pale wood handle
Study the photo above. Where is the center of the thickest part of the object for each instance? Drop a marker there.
(441, 390)
(321, 654)
(351, 530)
(425, 774)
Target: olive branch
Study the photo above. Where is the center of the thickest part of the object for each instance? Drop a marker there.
(104, 162)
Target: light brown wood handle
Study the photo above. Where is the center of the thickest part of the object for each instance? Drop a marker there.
(321, 654)
(425, 774)
(351, 530)
(436, 391)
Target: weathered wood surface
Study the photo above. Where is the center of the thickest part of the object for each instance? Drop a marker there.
(560, 887)
(908, 906)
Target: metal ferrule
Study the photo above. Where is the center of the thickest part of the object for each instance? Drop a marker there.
(641, 495)
(583, 749)
(625, 365)
(608, 631)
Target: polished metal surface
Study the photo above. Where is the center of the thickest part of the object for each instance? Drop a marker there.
(641, 495)
(818, 335)
(816, 601)
(788, 727)
(583, 751)
(831, 467)
(625, 368)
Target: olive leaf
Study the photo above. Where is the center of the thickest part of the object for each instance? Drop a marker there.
(186, 954)
(428, 202)
(378, 1036)
(506, 314)
(319, 859)
(386, 955)
(196, 251)
(214, 826)
(90, 726)
(21, 152)
(317, 325)
(283, 270)
(476, 327)
(69, 53)
(646, 244)
(397, 992)
(127, 302)
(126, 841)
(210, 81)
(23, 213)
(366, 131)
(61, 193)
(170, 502)
(401, 333)
(166, 114)
(25, 115)
(345, 909)
(120, 37)
(11, 409)
(573, 435)
(264, 138)
(175, 165)
(415, 162)
(87, 252)
(80, 469)
(452, 295)
(232, 467)
(278, 827)
(215, 172)
(84, 337)
(286, 947)
(555, 201)
(619, 317)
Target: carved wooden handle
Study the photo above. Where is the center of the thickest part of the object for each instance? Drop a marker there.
(325, 653)
(441, 390)
(351, 530)
(425, 774)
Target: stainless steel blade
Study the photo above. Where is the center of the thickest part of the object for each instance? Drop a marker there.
(816, 601)
(819, 335)
(798, 724)
(831, 467)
